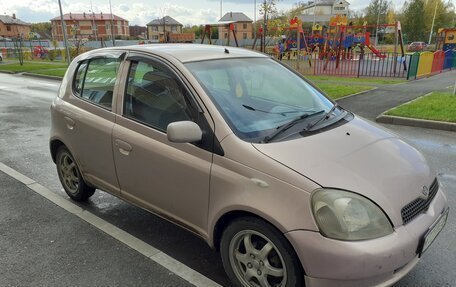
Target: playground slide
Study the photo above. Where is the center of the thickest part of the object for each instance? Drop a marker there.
(376, 52)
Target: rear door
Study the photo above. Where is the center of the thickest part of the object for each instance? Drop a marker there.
(89, 118)
(167, 178)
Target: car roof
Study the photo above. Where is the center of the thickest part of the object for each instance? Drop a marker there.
(195, 52)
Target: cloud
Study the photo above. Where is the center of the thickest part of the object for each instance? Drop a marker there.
(139, 12)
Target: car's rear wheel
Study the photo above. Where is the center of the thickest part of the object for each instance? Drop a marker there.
(70, 176)
(254, 253)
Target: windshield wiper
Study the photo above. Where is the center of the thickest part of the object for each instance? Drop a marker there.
(269, 112)
(282, 128)
(324, 118)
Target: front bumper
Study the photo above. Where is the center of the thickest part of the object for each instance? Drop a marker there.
(378, 262)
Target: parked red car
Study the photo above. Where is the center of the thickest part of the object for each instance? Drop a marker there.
(417, 47)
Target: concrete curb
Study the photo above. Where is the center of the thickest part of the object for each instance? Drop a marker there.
(393, 120)
(47, 77)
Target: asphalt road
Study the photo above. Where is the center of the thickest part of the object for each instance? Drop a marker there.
(24, 129)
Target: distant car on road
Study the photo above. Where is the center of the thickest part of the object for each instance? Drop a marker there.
(241, 150)
(417, 47)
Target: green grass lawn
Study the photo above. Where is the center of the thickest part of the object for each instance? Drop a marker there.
(438, 106)
(44, 68)
(382, 81)
(339, 91)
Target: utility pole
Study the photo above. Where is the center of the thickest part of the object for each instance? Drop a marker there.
(315, 13)
(165, 40)
(433, 21)
(94, 27)
(254, 20)
(221, 10)
(378, 22)
(112, 25)
(265, 12)
(65, 40)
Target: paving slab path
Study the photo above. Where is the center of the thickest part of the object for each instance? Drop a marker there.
(372, 103)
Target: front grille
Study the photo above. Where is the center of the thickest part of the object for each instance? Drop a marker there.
(419, 205)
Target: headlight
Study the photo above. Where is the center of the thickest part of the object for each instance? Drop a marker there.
(348, 216)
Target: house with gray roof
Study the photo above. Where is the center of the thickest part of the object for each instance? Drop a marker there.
(11, 27)
(242, 24)
(158, 30)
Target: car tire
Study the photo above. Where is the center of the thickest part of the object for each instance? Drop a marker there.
(70, 176)
(255, 253)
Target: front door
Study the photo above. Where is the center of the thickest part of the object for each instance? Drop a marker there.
(170, 179)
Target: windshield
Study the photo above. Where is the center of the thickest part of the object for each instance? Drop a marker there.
(257, 96)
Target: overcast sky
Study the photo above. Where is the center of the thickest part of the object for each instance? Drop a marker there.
(193, 12)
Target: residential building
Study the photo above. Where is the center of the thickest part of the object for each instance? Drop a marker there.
(11, 27)
(138, 32)
(321, 11)
(243, 26)
(92, 26)
(159, 29)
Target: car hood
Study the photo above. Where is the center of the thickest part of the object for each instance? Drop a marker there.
(358, 156)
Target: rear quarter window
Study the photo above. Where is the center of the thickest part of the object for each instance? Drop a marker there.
(95, 79)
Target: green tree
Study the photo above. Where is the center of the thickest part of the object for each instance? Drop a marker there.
(413, 23)
(444, 15)
(375, 9)
(44, 29)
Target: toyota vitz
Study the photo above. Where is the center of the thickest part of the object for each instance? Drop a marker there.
(292, 189)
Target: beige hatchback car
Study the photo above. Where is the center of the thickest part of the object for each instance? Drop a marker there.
(292, 189)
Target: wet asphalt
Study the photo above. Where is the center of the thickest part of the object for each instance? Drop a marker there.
(46, 246)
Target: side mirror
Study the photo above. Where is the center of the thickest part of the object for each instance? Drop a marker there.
(184, 132)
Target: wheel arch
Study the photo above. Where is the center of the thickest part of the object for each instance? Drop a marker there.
(54, 146)
(224, 220)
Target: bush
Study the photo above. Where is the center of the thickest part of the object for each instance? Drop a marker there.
(52, 55)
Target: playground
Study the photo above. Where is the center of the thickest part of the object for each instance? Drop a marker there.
(340, 49)
(346, 50)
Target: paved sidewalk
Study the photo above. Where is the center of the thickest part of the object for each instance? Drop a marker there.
(372, 103)
(43, 245)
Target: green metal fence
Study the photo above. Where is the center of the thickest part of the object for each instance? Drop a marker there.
(413, 66)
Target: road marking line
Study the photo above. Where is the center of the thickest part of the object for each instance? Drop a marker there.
(135, 243)
(16, 175)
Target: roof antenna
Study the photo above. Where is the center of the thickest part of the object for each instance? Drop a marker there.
(226, 51)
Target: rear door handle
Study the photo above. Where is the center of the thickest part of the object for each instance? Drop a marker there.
(124, 147)
(69, 122)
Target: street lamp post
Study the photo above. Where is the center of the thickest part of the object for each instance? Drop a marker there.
(433, 22)
(221, 8)
(378, 22)
(64, 34)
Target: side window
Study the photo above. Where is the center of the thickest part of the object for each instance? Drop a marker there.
(155, 96)
(95, 80)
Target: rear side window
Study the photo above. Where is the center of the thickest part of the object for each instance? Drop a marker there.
(95, 79)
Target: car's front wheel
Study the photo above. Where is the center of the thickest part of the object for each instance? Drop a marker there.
(70, 176)
(254, 253)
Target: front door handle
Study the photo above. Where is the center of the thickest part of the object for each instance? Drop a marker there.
(69, 122)
(124, 147)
